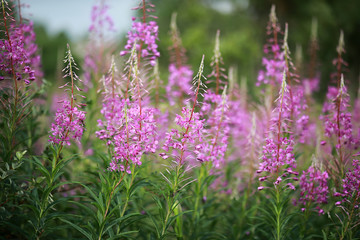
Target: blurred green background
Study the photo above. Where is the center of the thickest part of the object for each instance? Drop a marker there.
(243, 34)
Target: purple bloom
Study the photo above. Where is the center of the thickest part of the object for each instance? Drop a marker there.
(69, 120)
(17, 55)
(179, 83)
(121, 131)
(68, 124)
(187, 142)
(314, 187)
(144, 34)
(274, 62)
(214, 147)
(278, 158)
(338, 121)
(350, 193)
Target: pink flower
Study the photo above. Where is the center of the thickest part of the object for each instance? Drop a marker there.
(18, 56)
(214, 147)
(278, 158)
(121, 131)
(69, 119)
(314, 187)
(68, 124)
(350, 193)
(274, 62)
(179, 83)
(144, 34)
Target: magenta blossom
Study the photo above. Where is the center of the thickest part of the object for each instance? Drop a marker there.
(314, 188)
(350, 193)
(274, 62)
(215, 145)
(69, 119)
(129, 133)
(144, 34)
(278, 160)
(179, 83)
(68, 124)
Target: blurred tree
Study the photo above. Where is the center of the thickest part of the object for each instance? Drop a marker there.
(243, 22)
(198, 22)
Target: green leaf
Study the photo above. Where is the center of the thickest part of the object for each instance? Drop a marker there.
(124, 234)
(118, 220)
(86, 234)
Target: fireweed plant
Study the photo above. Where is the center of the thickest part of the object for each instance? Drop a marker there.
(19, 117)
(67, 126)
(174, 155)
(180, 74)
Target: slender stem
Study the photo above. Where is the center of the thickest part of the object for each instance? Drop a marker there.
(128, 83)
(351, 214)
(278, 215)
(279, 128)
(144, 21)
(217, 69)
(109, 200)
(338, 106)
(16, 90)
(168, 213)
(288, 77)
(190, 118)
(61, 144)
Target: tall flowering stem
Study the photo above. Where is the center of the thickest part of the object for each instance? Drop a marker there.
(278, 161)
(185, 145)
(180, 74)
(274, 61)
(17, 56)
(198, 84)
(69, 120)
(338, 125)
(216, 61)
(212, 150)
(145, 34)
(350, 200)
(298, 119)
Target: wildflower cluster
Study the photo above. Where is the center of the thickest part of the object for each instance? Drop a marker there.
(214, 148)
(17, 49)
(187, 158)
(180, 74)
(278, 157)
(338, 122)
(274, 62)
(350, 193)
(144, 34)
(314, 188)
(69, 119)
(187, 141)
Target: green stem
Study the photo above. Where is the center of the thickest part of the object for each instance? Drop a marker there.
(109, 202)
(278, 211)
(305, 220)
(170, 201)
(127, 195)
(168, 213)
